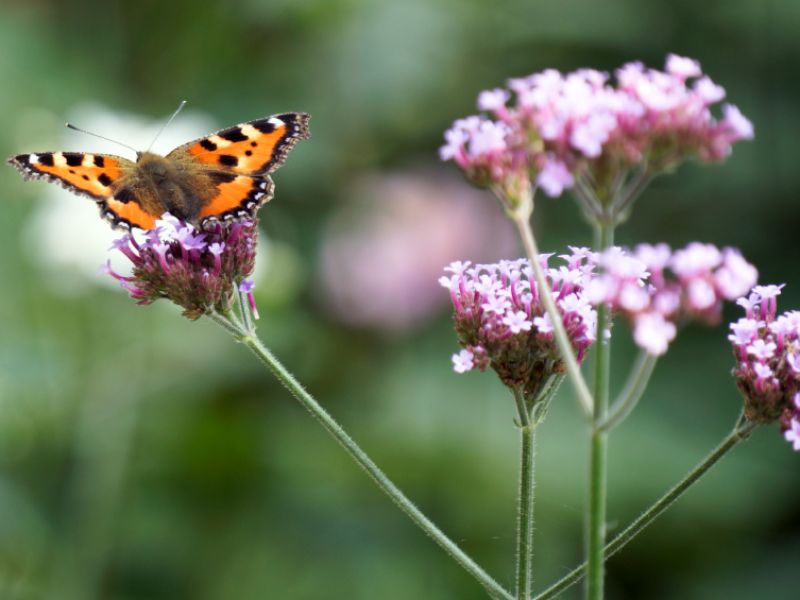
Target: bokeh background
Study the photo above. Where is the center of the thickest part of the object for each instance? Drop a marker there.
(143, 456)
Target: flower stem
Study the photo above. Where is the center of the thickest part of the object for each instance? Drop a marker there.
(244, 308)
(598, 461)
(739, 433)
(522, 220)
(632, 392)
(525, 502)
(227, 322)
(494, 589)
(635, 186)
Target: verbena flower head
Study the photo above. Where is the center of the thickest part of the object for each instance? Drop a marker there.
(501, 322)
(557, 129)
(198, 270)
(767, 351)
(657, 289)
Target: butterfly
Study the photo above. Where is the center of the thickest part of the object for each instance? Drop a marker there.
(223, 176)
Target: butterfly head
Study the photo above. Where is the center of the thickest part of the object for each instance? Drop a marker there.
(157, 167)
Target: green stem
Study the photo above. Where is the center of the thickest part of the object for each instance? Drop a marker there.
(589, 205)
(740, 432)
(635, 186)
(494, 589)
(244, 308)
(632, 392)
(525, 504)
(227, 322)
(598, 461)
(522, 221)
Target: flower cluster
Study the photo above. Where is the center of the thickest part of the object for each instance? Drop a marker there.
(501, 321)
(656, 288)
(767, 351)
(556, 128)
(196, 269)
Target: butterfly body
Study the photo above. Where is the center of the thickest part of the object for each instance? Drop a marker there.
(222, 176)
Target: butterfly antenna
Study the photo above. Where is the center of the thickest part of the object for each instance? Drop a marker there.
(164, 126)
(102, 137)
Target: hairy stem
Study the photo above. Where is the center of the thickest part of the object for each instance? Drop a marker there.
(598, 460)
(632, 392)
(740, 432)
(634, 188)
(564, 346)
(525, 502)
(494, 589)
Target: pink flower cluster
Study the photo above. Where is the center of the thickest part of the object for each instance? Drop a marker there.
(555, 128)
(656, 288)
(501, 321)
(767, 351)
(197, 270)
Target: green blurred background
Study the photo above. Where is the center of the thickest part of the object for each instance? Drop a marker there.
(143, 456)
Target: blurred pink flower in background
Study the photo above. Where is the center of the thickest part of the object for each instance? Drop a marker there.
(382, 252)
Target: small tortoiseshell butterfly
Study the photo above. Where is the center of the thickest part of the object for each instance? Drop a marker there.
(222, 176)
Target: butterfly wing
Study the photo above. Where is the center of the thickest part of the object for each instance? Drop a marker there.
(236, 196)
(238, 161)
(254, 148)
(100, 177)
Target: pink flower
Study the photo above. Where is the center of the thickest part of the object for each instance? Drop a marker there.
(683, 67)
(709, 91)
(463, 361)
(517, 321)
(558, 129)
(744, 331)
(554, 177)
(762, 350)
(739, 125)
(493, 100)
(767, 355)
(792, 434)
(246, 287)
(501, 322)
(655, 288)
(195, 269)
(653, 333)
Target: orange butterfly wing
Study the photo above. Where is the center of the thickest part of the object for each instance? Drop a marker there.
(240, 159)
(97, 176)
(254, 148)
(239, 196)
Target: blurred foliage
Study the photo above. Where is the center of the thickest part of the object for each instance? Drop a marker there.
(146, 457)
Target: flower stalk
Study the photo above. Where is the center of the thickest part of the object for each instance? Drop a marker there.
(249, 339)
(526, 498)
(522, 221)
(634, 388)
(740, 432)
(598, 460)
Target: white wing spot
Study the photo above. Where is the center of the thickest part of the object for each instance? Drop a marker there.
(59, 160)
(276, 121)
(250, 131)
(219, 142)
(33, 159)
